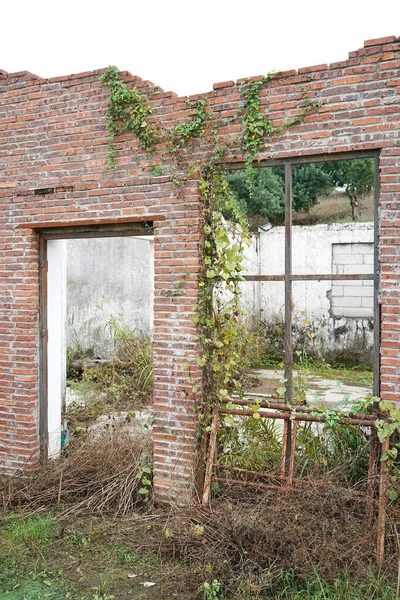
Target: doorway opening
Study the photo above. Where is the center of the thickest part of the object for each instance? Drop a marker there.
(96, 288)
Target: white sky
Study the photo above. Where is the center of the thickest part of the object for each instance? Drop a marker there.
(187, 45)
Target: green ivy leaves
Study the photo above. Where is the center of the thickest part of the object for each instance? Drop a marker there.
(223, 246)
(192, 128)
(255, 123)
(224, 227)
(127, 111)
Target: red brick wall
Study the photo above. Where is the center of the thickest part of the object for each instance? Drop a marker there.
(53, 133)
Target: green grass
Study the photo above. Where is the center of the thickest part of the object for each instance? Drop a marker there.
(37, 530)
(33, 588)
(335, 209)
(80, 559)
(349, 375)
(99, 559)
(340, 589)
(357, 375)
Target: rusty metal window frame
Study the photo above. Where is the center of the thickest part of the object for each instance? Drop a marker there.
(273, 409)
(288, 277)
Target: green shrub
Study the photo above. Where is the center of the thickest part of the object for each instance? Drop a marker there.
(128, 377)
(251, 345)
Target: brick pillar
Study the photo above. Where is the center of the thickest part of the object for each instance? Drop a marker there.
(177, 377)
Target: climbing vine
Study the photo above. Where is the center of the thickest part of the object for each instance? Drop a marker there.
(127, 111)
(224, 228)
(218, 310)
(224, 231)
(193, 128)
(256, 125)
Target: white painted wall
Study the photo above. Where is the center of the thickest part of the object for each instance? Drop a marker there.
(352, 298)
(56, 320)
(120, 271)
(313, 252)
(108, 278)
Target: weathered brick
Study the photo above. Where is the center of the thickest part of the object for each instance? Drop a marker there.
(380, 41)
(53, 133)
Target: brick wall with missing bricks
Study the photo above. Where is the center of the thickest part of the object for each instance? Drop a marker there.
(53, 134)
(354, 299)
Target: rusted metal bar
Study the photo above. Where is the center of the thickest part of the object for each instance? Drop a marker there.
(299, 408)
(377, 305)
(380, 546)
(264, 277)
(331, 277)
(288, 452)
(288, 373)
(210, 460)
(295, 417)
(284, 448)
(292, 455)
(312, 277)
(373, 456)
(288, 283)
(361, 497)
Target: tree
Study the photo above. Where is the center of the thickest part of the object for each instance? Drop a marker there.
(356, 177)
(309, 183)
(264, 194)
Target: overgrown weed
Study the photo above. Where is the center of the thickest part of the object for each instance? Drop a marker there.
(298, 545)
(258, 546)
(250, 344)
(373, 587)
(102, 474)
(125, 382)
(250, 444)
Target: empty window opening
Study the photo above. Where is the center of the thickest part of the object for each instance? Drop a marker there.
(312, 301)
(313, 275)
